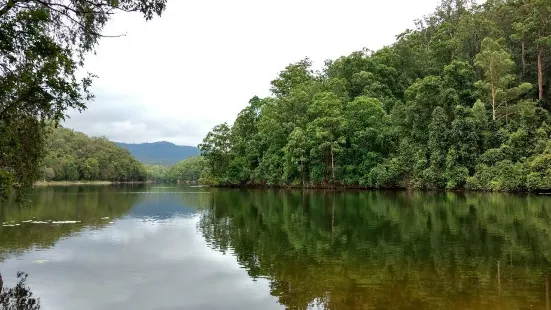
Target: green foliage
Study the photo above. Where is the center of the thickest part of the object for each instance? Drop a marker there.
(21, 150)
(497, 65)
(503, 176)
(157, 173)
(539, 171)
(447, 106)
(190, 171)
(216, 148)
(42, 47)
(73, 156)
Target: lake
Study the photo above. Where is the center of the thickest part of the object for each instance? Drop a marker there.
(172, 247)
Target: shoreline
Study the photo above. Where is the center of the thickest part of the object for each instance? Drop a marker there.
(72, 183)
(364, 188)
(283, 187)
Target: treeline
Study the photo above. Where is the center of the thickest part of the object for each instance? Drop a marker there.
(460, 102)
(73, 156)
(190, 170)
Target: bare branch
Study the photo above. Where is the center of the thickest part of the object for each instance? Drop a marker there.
(9, 5)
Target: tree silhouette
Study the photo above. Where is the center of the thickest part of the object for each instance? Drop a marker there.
(18, 298)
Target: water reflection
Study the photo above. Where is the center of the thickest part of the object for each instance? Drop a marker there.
(30, 226)
(146, 247)
(148, 257)
(382, 250)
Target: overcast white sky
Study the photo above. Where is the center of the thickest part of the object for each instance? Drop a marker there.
(175, 77)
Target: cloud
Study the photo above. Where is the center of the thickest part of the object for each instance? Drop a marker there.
(128, 119)
(177, 76)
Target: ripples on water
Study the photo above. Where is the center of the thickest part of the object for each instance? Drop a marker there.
(199, 248)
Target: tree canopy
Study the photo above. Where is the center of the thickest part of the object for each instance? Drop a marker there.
(462, 101)
(43, 44)
(189, 170)
(73, 156)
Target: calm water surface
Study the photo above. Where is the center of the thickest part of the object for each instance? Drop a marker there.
(164, 247)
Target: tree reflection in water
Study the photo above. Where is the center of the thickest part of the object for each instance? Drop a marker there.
(18, 298)
(388, 250)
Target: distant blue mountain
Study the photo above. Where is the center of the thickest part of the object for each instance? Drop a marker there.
(160, 153)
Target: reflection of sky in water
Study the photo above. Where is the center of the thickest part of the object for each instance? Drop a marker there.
(151, 259)
(162, 206)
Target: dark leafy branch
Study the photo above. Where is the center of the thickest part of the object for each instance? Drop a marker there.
(42, 45)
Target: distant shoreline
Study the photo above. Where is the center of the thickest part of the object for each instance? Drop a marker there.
(280, 187)
(70, 183)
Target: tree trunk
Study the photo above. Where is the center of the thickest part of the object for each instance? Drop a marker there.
(540, 74)
(302, 171)
(493, 95)
(325, 169)
(523, 56)
(333, 164)
(506, 113)
(493, 104)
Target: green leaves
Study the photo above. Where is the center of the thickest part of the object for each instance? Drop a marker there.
(216, 148)
(42, 45)
(190, 170)
(497, 66)
(293, 76)
(444, 107)
(73, 156)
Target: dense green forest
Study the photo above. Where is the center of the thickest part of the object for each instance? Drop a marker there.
(462, 101)
(73, 156)
(189, 170)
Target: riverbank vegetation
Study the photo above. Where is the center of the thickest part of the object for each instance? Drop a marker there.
(460, 102)
(189, 170)
(75, 158)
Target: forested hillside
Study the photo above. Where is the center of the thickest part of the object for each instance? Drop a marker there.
(160, 153)
(73, 156)
(462, 101)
